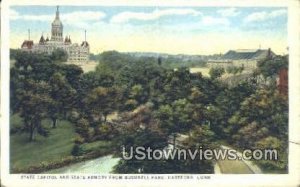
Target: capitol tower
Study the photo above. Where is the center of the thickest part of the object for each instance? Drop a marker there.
(57, 28)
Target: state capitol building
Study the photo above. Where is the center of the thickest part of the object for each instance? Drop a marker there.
(77, 54)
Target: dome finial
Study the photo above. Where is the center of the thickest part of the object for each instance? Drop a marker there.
(57, 12)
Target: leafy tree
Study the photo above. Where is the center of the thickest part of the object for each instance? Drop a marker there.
(72, 74)
(137, 93)
(175, 118)
(102, 101)
(234, 69)
(34, 102)
(82, 128)
(270, 67)
(216, 72)
(63, 96)
(261, 121)
(59, 55)
(226, 104)
(177, 85)
(140, 138)
(269, 106)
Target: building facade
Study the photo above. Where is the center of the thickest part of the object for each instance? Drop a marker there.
(77, 54)
(246, 58)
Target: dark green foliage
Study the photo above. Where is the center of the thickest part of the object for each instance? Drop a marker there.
(39, 89)
(153, 101)
(59, 55)
(82, 128)
(77, 150)
(270, 67)
(234, 69)
(216, 72)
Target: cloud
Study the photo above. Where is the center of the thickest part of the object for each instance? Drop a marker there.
(229, 12)
(77, 18)
(14, 15)
(156, 14)
(279, 12)
(83, 16)
(262, 16)
(212, 21)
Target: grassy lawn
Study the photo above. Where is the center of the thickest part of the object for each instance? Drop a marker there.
(56, 146)
(203, 70)
(96, 146)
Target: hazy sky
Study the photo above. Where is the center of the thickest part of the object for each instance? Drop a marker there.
(176, 30)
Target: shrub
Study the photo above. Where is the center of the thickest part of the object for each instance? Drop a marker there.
(77, 150)
(79, 139)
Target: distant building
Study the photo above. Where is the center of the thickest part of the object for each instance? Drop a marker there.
(77, 54)
(248, 54)
(247, 58)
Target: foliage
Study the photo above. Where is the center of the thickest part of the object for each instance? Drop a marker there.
(102, 101)
(59, 55)
(262, 122)
(77, 150)
(234, 69)
(216, 72)
(271, 66)
(155, 97)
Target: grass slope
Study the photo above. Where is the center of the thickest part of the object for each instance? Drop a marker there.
(58, 145)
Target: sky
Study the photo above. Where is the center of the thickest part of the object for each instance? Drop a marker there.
(173, 30)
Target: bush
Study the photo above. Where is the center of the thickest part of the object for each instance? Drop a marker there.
(130, 104)
(79, 139)
(77, 150)
(216, 72)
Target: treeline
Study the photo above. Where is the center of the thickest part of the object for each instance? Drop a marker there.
(169, 62)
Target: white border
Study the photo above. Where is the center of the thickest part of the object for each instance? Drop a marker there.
(291, 179)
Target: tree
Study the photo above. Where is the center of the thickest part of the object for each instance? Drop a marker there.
(175, 118)
(225, 105)
(234, 69)
(102, 101)
(265, 107)
(63, 97)
(82, 128)
(72, 74)
(34, 103)
(200, 136)
(137, 93)
(270, 67)
(177, 85)
(59, 55)
(216, 72)
(262, 122)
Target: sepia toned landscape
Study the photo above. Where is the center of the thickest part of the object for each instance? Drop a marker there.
(86, 91)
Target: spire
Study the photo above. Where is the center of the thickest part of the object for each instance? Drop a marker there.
(66, 39)
(42, 39)
(57, 12)
(28, 34)
(85, 35)
(57, 28)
